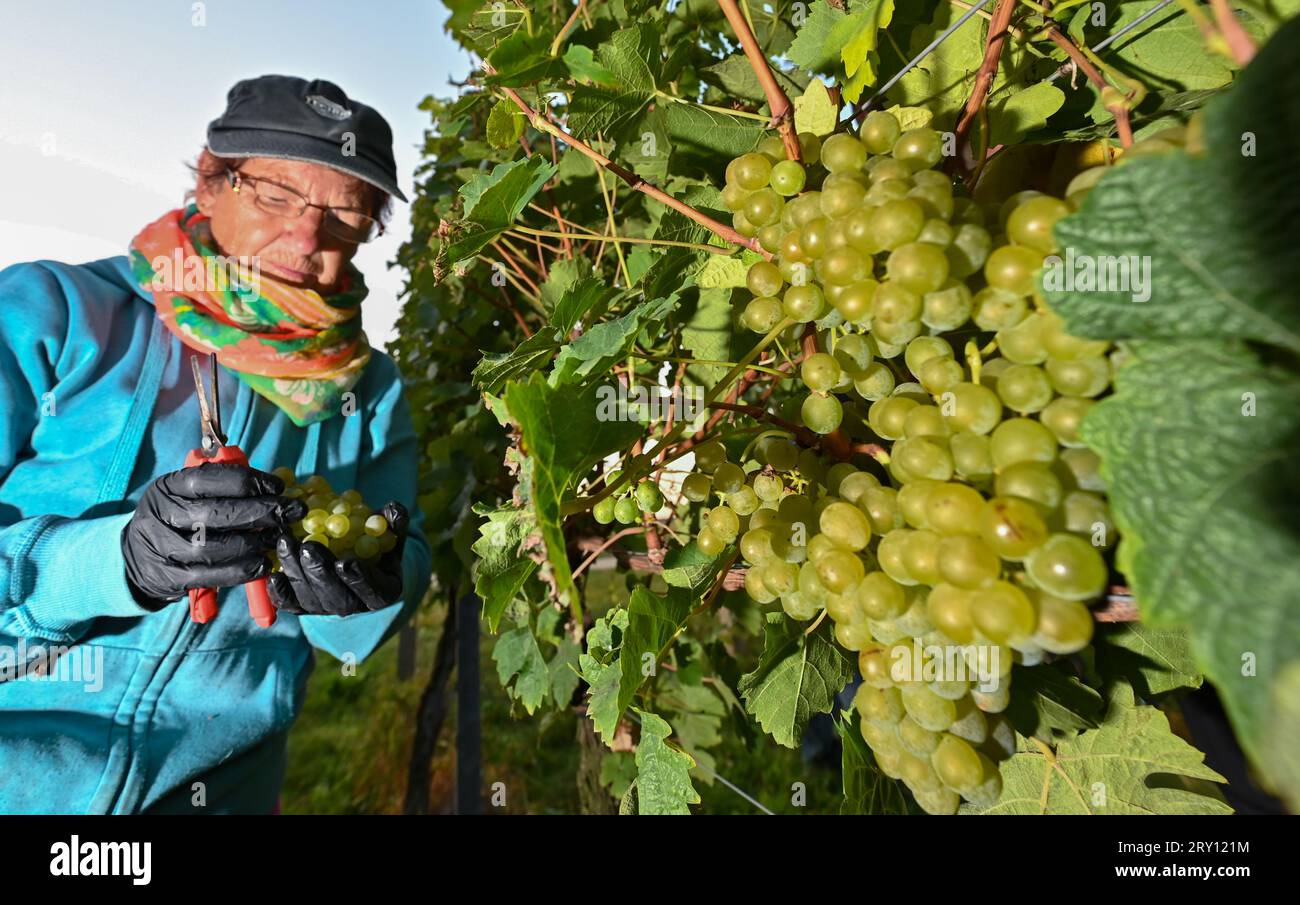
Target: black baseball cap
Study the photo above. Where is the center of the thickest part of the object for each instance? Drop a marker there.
(293, 119)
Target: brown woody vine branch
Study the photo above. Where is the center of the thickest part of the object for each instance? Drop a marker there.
(777, 100)
(998, 30)
(1120, 110)
(547, 124)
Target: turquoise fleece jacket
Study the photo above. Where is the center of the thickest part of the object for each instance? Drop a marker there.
(105, 707)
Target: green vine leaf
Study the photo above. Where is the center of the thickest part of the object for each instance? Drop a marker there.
(814, 111)
(501, 570)
(1153, 660)
(1131, 764)
(663, 779)
(492, 202)
(866, 789)
(563, 438)
(1046, 701)
(521, 668)
(505, 124)
(652, 623)
(1195, 484)
(797, 675)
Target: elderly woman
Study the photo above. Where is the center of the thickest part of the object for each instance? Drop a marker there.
(113, 698)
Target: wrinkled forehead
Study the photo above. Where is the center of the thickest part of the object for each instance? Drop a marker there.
(310, 178)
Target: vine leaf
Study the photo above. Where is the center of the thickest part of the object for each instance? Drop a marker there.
(1153, 660)
(562, 438)
(868, 19)
(492, 202)
(521, 668)
(602, 346)
(1201, 440)
(1045, 700)
(599, 668)
(1203, 499)
(814, 111)
(501, 571)
(663, 779)
(1010, 119)
(581, 298)
(632, 57)
(652, 622)
(797, 675)
(504, 125)
(1215, 233)
(1131, 764)
(735, 76)
(866, 789)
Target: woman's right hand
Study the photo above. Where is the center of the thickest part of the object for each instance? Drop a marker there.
(209, 526)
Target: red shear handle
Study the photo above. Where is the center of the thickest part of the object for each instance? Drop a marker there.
(203, 601)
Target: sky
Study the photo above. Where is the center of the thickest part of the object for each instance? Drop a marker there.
(103, 102)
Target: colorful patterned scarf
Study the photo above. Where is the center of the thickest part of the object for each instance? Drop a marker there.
(297, 348)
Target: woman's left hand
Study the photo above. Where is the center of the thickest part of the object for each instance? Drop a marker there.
(313, 582)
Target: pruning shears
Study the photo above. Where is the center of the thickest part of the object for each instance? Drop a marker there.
(203, 601)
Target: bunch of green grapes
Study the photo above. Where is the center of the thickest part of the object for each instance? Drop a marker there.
(982, 535)
(626, 507)
(341, 522)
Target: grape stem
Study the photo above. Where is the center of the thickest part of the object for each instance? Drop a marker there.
(545, 123)
(1120, 110)
(1240, 44)
(782, 109)
(984, 77)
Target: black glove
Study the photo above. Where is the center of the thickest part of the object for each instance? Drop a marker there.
(241, 513)
(314, 583)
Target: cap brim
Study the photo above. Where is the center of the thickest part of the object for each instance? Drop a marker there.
(287, 146)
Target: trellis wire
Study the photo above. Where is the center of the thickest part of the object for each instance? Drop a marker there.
(1115, 37)
(929, 48)
(923, 54)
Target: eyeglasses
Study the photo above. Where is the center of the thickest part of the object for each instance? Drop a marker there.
(342, 223)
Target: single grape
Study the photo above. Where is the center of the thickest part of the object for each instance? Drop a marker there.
(709, 543)
(820, 372)
(924, 457)
(896, 223)
(1021, 440)
(957, 763)
(1023, 342)
(376, 525)
(1064, 418)
(921, 557)
(841, 195)
(1064, 626)
(366, 547)
(764, 279)
(842, 152)
(708, 456)
(1080, 376)
(337, 525)
(625, 510)
(804, 303)
(768, 487)
(846, 525)
(948, 607)
(822, 414)
(918, 266)
(947, 308)
(876, 383)
(763, 208)
(744, 501)
(728, 478)
(788, 177)
(879, 132)
(938, 375)
(649, 497)
(937, 232)
(912, 499)
(314, 521)
(926, 421)
(1012, 268)
(993, 309)
(968, 250)
(750, 171)
(603, 511)
(1024, 388)
(928, 709)
(1032, 481)
(919, 149)
(971, 407)
(839, 570)
(1067, 566)
(696, 487)
(967, 562)
(1003, 613)
(756, 545)
(971, 458)
(954, 509)
(844, 266)
(888, 417)
(1031, 223)
(894, 303)
(1011, 526)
